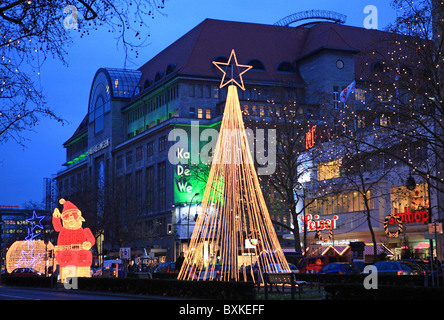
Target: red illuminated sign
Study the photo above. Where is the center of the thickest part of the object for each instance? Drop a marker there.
(319, 224)
(316, 134)
(310, 138)
(412, 216)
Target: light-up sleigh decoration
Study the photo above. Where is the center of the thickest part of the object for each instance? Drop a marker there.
(72, 251)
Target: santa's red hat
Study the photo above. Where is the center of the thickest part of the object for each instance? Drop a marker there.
(69, 207)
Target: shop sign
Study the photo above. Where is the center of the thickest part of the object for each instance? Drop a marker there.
(411, 216)
(184, 174)
(312, 225)
(98, 147)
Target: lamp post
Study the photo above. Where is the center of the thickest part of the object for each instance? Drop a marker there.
(188, 229)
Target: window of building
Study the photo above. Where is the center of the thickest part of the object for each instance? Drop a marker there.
(286, 66)
(215, 92)
(162, 143)
(98, 115)
(256, 64)
(254, 110)
(261, 111)
(170, 68)
(100, 102)
(361, 122)
(150, 183)
(161, 182)
(128, 192)
(150, 148)
(384, 121)
(139, 153)
(207, 91)
(336, 97)
(199, 90)
(245, 111)
(360, 95)
(416, 199)
(200, 113)
(329, 170)
(129, 158)
(208, 114)
(139, 189)
(119, 162)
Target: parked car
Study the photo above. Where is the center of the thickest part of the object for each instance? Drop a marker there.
(313, 264)
(110, 268)
(165, 267)
(25, 272)
(399, 268)
(360, 265)
(339, 268)
(424, 264)
(293, 268)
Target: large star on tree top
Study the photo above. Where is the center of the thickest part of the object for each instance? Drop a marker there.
(237, 70)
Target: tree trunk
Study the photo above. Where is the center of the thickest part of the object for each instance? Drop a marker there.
(370, 227)
(297, 238)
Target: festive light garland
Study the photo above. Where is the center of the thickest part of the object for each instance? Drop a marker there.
(398, 221)
(318, 235)
(73, 243)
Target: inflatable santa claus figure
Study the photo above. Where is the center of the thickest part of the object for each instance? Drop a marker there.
(73, 244)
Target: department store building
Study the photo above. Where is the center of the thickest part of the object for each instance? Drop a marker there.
(118, 171)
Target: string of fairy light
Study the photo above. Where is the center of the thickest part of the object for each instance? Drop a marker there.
(234, 228)
(399, 93)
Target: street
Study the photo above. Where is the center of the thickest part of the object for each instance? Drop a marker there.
(14, 293)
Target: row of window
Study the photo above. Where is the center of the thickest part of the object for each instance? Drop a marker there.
(154, 103)
(74, 183)
(400, 199)
(341, 203)
(371, 161)
(128, 157)
(77, 148)
(153, 227)
(283, 66)
(143, 192)
(198, 90)
(247, 109)
(201, 113)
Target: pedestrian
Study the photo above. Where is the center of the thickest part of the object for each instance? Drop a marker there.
(179, 262)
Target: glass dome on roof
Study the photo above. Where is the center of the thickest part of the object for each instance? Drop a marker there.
(123, 82)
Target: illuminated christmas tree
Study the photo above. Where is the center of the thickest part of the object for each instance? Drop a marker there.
(233, 236)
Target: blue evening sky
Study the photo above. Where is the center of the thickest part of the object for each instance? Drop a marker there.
(67, 88)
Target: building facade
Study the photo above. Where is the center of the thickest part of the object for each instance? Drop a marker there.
(128, 167)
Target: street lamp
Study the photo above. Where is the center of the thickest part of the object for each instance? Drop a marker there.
(410, 183)
(189, 208)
